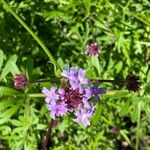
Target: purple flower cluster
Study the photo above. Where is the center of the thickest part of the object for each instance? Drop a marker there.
(74, 98)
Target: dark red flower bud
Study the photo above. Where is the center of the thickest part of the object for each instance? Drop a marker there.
(92, 49)
(115, 130)
(132, 83)
(19, 81)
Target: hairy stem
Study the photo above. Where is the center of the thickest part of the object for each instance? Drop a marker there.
(48, 134)
(36, 38)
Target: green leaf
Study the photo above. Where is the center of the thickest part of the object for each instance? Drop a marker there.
(9, 112)
(41, 127)
(75, 29)
(16, 122)
(6, 69)
(148, 76)
(1, 58)
(134, 113)
(7, 91)
(125, 52)
(147, 110)
(87, 4)
(102, 26)
(125, 108)
(13, 68)
(56, 14)
(5, 130)
(19, 130)
(61, 63)
(5, 103)
(118, 66)
(96, 64)
(98, 114)
(124, 135)
(4, 120)
(115, 94)
(64, 125)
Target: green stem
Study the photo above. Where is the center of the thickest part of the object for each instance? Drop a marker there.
(44, 80)
(32, 33)
(27, 107)
(138, 126)
(32, 95)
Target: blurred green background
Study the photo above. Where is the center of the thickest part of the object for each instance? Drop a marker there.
(122, 31)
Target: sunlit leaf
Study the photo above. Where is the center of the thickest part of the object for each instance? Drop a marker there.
(96, 64)
(125, 108)
(7, 91)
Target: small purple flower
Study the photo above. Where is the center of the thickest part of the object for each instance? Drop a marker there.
(57, 107)
(81, 77)
(92, 49)
(76, 78)
(51, 94)
(83, 115)
(88, 92)
(71, 74)
(96, 91)
(57, 110)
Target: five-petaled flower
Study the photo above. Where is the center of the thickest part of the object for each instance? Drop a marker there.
(96, 91)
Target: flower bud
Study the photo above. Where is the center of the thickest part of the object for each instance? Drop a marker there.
(19, 81)
(115, 130)
(92, 49)
(132, 83)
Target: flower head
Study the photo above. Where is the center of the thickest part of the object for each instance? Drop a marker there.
(92, 49)
(73, 98)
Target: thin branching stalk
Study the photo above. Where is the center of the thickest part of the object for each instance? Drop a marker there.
(32, 33)
(44, 80)
(113, 81)
(100, 80)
